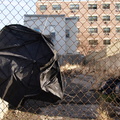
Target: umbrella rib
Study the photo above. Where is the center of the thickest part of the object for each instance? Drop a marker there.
(3, 73)
(28, 31)
(14, 55)
(19, 45)
(4, 81)
(37, 50)
(28, 52)
(43, 56)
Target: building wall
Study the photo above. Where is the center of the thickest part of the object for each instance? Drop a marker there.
(43, 24)
(71, 40)
(55, 26)
(84, 24)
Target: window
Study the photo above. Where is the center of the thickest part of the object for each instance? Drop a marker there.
(117, 29)
(78, 30)
(92, 18)
(106, 30)
(92, 6)
(52, 33)
(43, 7)
(67, 33)
(93, 42)
(52, 36)
(106, 42)
(117, 6)
(78, 17)
(75, 16)
(74, 6)
(56, 7)
(117, 39)
(37, 29)
(118, 17)
(92, 30)
(106, 6)
(106, 18)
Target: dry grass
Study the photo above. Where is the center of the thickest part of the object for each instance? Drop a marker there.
(99, 75)
(76, 69)
(72, 70)
(103, 115)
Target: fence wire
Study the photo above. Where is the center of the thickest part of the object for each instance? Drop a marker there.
(86, 36)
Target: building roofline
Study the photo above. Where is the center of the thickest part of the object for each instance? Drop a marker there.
(34, 15)
(71, 1)
(69, 18)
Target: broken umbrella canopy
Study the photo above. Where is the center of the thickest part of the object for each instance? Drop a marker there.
(28, 66)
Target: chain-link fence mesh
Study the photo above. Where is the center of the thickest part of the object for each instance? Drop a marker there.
(86, 36)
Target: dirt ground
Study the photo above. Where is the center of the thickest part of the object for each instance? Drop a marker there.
(80, 102)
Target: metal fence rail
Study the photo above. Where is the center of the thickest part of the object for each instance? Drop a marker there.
(86, 36)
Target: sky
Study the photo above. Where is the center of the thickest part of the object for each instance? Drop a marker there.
(13, 11)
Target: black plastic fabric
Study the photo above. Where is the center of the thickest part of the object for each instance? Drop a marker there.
(110, 86)
(28, 66)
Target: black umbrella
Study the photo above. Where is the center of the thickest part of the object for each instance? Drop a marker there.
(28, 66)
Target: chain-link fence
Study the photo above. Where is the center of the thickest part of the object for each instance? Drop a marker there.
(86, 36)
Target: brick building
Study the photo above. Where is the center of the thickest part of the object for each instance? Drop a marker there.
(98, 21)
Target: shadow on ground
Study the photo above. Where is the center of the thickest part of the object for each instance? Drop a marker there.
(79, 102)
